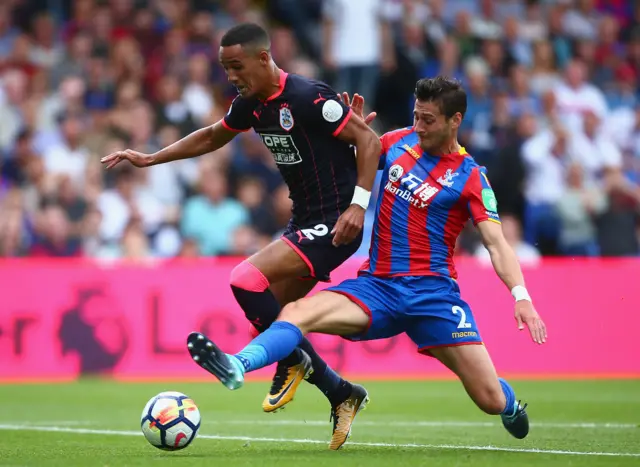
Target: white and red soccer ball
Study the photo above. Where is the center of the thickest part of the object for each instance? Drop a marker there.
(170, 421)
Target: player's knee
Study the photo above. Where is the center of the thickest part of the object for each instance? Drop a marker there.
(248, 277)
(291, 311)
(298, 313)
(490, 399)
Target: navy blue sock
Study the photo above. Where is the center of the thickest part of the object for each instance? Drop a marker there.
(260, 308)
(336, 389)
(271, 346)
(510, 395)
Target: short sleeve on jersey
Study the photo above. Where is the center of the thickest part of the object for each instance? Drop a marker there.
(483, 205)
(324, 110)
(238, 117)
(388, 140)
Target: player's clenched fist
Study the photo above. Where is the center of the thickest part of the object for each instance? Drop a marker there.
(526, 314)
(349, 225)
(136, 158)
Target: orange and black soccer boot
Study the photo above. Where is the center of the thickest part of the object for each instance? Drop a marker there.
(344, 414)
(285, 382)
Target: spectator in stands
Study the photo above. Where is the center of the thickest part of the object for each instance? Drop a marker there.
(475, 126)
(13, 169)
(212, 217)
(15, 85)
(197, 94)
(54, 235)
(618, 225)
(545, 156)
(13, 224)
(135, 244)
(522, 99)
(252, 192)
(577, 210)
(302, 18)
(594, 150)
(128, 201)
(47, 51)
(507, 169)
(357, 45)
(69, 156)
(517, 46)
(575, 96)
(543, 75)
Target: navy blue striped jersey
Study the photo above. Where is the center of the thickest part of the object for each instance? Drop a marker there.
(300, 125)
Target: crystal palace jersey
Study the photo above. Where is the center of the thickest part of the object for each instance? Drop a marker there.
(300, 124)
(424, 203)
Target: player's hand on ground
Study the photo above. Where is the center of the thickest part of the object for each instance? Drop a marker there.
(527, 314)
(349, 225)
(357, 106)
(138, 159)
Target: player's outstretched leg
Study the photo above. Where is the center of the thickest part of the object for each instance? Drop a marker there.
(336, 389)
(251, 283)
(332, 313)
(325, 312)
(230, 369)
(493, 395)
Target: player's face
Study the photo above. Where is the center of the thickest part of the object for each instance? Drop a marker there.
(245, 69)
(434, 130)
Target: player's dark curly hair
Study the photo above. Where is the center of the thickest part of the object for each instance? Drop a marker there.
(447, 93)
(246, 34)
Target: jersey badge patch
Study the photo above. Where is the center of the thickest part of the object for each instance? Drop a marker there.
(447, 178)
(286, 119)
(332, 111)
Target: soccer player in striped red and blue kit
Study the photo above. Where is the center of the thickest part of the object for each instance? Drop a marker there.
(430, 188)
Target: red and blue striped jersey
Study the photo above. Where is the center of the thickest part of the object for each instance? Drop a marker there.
(423, 204)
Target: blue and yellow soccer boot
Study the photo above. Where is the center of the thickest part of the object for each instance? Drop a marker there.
(285, 382)
(517, 424)
(344, 414)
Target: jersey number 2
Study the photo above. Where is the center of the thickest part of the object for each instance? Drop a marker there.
(320, 230)
(463, 317)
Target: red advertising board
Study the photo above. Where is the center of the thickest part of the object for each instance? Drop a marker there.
(61, 319)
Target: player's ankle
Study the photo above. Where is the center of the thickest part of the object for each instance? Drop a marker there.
(340, 393)
(293, 359)
(237, 363)
(510, 411)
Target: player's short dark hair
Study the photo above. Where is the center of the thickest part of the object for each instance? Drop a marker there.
(246, 34)
(448, 93)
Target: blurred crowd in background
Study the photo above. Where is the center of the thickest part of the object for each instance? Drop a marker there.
(553, 113)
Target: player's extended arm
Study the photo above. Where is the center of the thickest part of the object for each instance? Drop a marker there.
(199, 142)
(505, 262)
(504, 259)
(368, 149)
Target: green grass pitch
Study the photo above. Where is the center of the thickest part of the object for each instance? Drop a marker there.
(431, 423)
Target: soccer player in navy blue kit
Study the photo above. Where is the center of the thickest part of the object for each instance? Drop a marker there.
(430, 187)
(312, 137)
